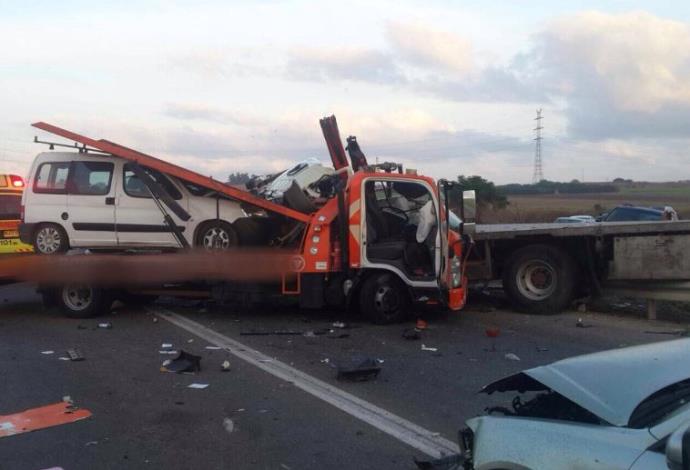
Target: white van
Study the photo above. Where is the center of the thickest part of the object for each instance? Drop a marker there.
(81, 200)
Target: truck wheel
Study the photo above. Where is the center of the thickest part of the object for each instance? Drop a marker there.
(540, 279)
(216, 235)
(50, 239)
(384, 299)
(79, 301)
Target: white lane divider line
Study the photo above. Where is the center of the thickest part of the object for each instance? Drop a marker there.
(405, 431)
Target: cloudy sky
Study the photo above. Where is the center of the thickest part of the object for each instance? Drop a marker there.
(448, 87)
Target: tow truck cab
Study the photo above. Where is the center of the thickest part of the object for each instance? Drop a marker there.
(393, 247)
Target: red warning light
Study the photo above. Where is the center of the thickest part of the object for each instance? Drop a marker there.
(17, 181)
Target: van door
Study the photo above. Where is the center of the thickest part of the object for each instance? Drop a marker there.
(139, 220)
(91, 204)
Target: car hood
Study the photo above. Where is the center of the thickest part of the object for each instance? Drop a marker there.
(609, 384)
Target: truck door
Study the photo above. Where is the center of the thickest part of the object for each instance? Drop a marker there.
(139, 220)
(91, 204)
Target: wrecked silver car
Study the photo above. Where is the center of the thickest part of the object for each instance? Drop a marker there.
(621, 409)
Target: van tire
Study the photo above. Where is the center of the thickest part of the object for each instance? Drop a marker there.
(49, 239)
(540, 279)
(79, 301)
(216, 235)
(384, 299)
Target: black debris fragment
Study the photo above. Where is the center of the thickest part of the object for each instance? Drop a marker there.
(451, 462)
(75, 354)
(184, 362)
(359, 369)
(412, 334)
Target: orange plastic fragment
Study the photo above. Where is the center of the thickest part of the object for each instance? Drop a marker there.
(41, 417)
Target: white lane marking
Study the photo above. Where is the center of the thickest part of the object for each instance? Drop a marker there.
(415, 436)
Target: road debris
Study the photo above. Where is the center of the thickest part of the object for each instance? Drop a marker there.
(450, 462)
(42, 417)
(225, 366)
(105, 325)
(421, 324)
(167, 351)
(166, 345)
(229, 425)
(512, 357)
(197, 386)
(183, 363)
(539, 349)
(214, 348)
(268, 333)
(581, 324)
(47, 352)
(412, 334)
(155, 319)
(337, 334)
(359, 369)
(425, 348)
(75, 354)
(492, 332)
(339, 324)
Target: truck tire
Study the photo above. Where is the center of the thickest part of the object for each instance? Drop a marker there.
(49, 239)
(540, 279)
(79, 301)
(384, 299)
(216, 235)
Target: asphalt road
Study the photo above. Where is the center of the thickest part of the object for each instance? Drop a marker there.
(144, 418)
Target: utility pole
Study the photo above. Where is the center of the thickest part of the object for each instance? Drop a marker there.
(538, 172)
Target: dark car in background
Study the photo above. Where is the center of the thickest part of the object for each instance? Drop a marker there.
(637, 213)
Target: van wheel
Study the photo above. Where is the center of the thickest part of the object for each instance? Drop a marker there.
(216, 235)
(540, 279)
(80, 301)
(384, 299)
(49, 239)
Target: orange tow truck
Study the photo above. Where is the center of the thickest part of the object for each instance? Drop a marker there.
(376, 237)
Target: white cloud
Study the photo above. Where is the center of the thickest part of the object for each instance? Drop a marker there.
(425, 46)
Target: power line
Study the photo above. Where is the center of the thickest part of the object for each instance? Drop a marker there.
(538, 170)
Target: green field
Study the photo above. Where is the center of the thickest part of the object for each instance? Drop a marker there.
(546, 208)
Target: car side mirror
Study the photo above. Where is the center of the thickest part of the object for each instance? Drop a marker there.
(678, 449)
(469, 211)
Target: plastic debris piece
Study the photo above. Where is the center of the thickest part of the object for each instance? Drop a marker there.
(91, 443)
(359, 369)
(425, 348)
(339, 324)
(167, 351)
(75, 354)
(63, 358)
(229, 425)
(421, 324)
(540, 349)
(492, 332)
(184, 362)
(213, 347)
(47, 352)
(155, 319)
(412, 334)
(190, 340)
(42, 417)
(166, 345)
(265, 360)
(325, 361)
(581, 324)
(197, 386)
(225, 366)
(105, 325)
(512, 357)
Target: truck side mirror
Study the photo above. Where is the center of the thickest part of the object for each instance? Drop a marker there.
(678, 449)
(469, 211)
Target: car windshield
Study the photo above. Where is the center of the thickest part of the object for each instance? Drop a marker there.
(660, 405)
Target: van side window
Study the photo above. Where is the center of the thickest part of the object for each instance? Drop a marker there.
(134, 187)
(52, 178)
(90, 178)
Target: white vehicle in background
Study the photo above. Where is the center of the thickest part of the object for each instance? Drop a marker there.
(626, 408)
(82, 200)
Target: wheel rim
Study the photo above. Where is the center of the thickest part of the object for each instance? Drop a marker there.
(48, 240)
(217, 238)
(536, 280)
(77, 298)
(387, 301)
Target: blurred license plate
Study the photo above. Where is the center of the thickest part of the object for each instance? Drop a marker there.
(10, 233)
